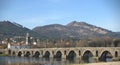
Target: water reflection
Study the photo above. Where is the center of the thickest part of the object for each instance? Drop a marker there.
(29, 61)
(8, 60)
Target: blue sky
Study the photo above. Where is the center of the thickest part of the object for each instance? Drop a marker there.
(32, 13)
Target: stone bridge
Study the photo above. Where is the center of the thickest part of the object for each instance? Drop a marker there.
(75, 52)
(3, 51)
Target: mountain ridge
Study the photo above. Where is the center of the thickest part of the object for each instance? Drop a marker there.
(10, 29)
(73, 29)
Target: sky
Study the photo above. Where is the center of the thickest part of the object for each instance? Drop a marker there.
(32, 13)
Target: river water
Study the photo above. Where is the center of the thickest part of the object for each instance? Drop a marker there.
(11, 60)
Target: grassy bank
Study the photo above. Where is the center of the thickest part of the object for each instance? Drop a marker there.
(4, 55)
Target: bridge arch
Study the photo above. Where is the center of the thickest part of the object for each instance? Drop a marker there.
(106, 56)
(87, 56)
(71, 55)
(27, 54)
(36, 54)
(58, 54)
(19, 53)
(46, 54)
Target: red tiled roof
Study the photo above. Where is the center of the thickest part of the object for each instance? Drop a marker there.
(18, 44)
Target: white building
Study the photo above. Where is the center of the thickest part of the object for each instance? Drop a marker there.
(17, 46)
(23, 45)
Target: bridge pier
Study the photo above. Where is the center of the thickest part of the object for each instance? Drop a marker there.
(40, 55)
(63, 56)
(116, 58)
(51, 56)
(95, 59)
(31, 54)
(78, 58)
(23, 53)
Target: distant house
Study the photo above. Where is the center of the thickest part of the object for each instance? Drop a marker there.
(22, 45)
(17, 46)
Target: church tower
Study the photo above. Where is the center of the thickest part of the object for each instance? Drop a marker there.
(9, 46)
(27, 35)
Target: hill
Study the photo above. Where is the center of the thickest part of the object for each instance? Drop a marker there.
(74, 29)
(9, 29)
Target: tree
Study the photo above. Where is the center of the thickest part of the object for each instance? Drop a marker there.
(82, 43)
(116, 42)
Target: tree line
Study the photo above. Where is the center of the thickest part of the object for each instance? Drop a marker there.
(70, 42)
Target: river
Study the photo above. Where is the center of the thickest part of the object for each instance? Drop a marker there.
(12, 60)
(15, 60)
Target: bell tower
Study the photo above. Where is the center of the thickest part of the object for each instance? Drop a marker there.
(27, 36)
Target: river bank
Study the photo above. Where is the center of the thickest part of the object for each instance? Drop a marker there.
(4, 55)
(101, 63)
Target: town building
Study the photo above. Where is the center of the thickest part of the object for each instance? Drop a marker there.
(21, 45)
